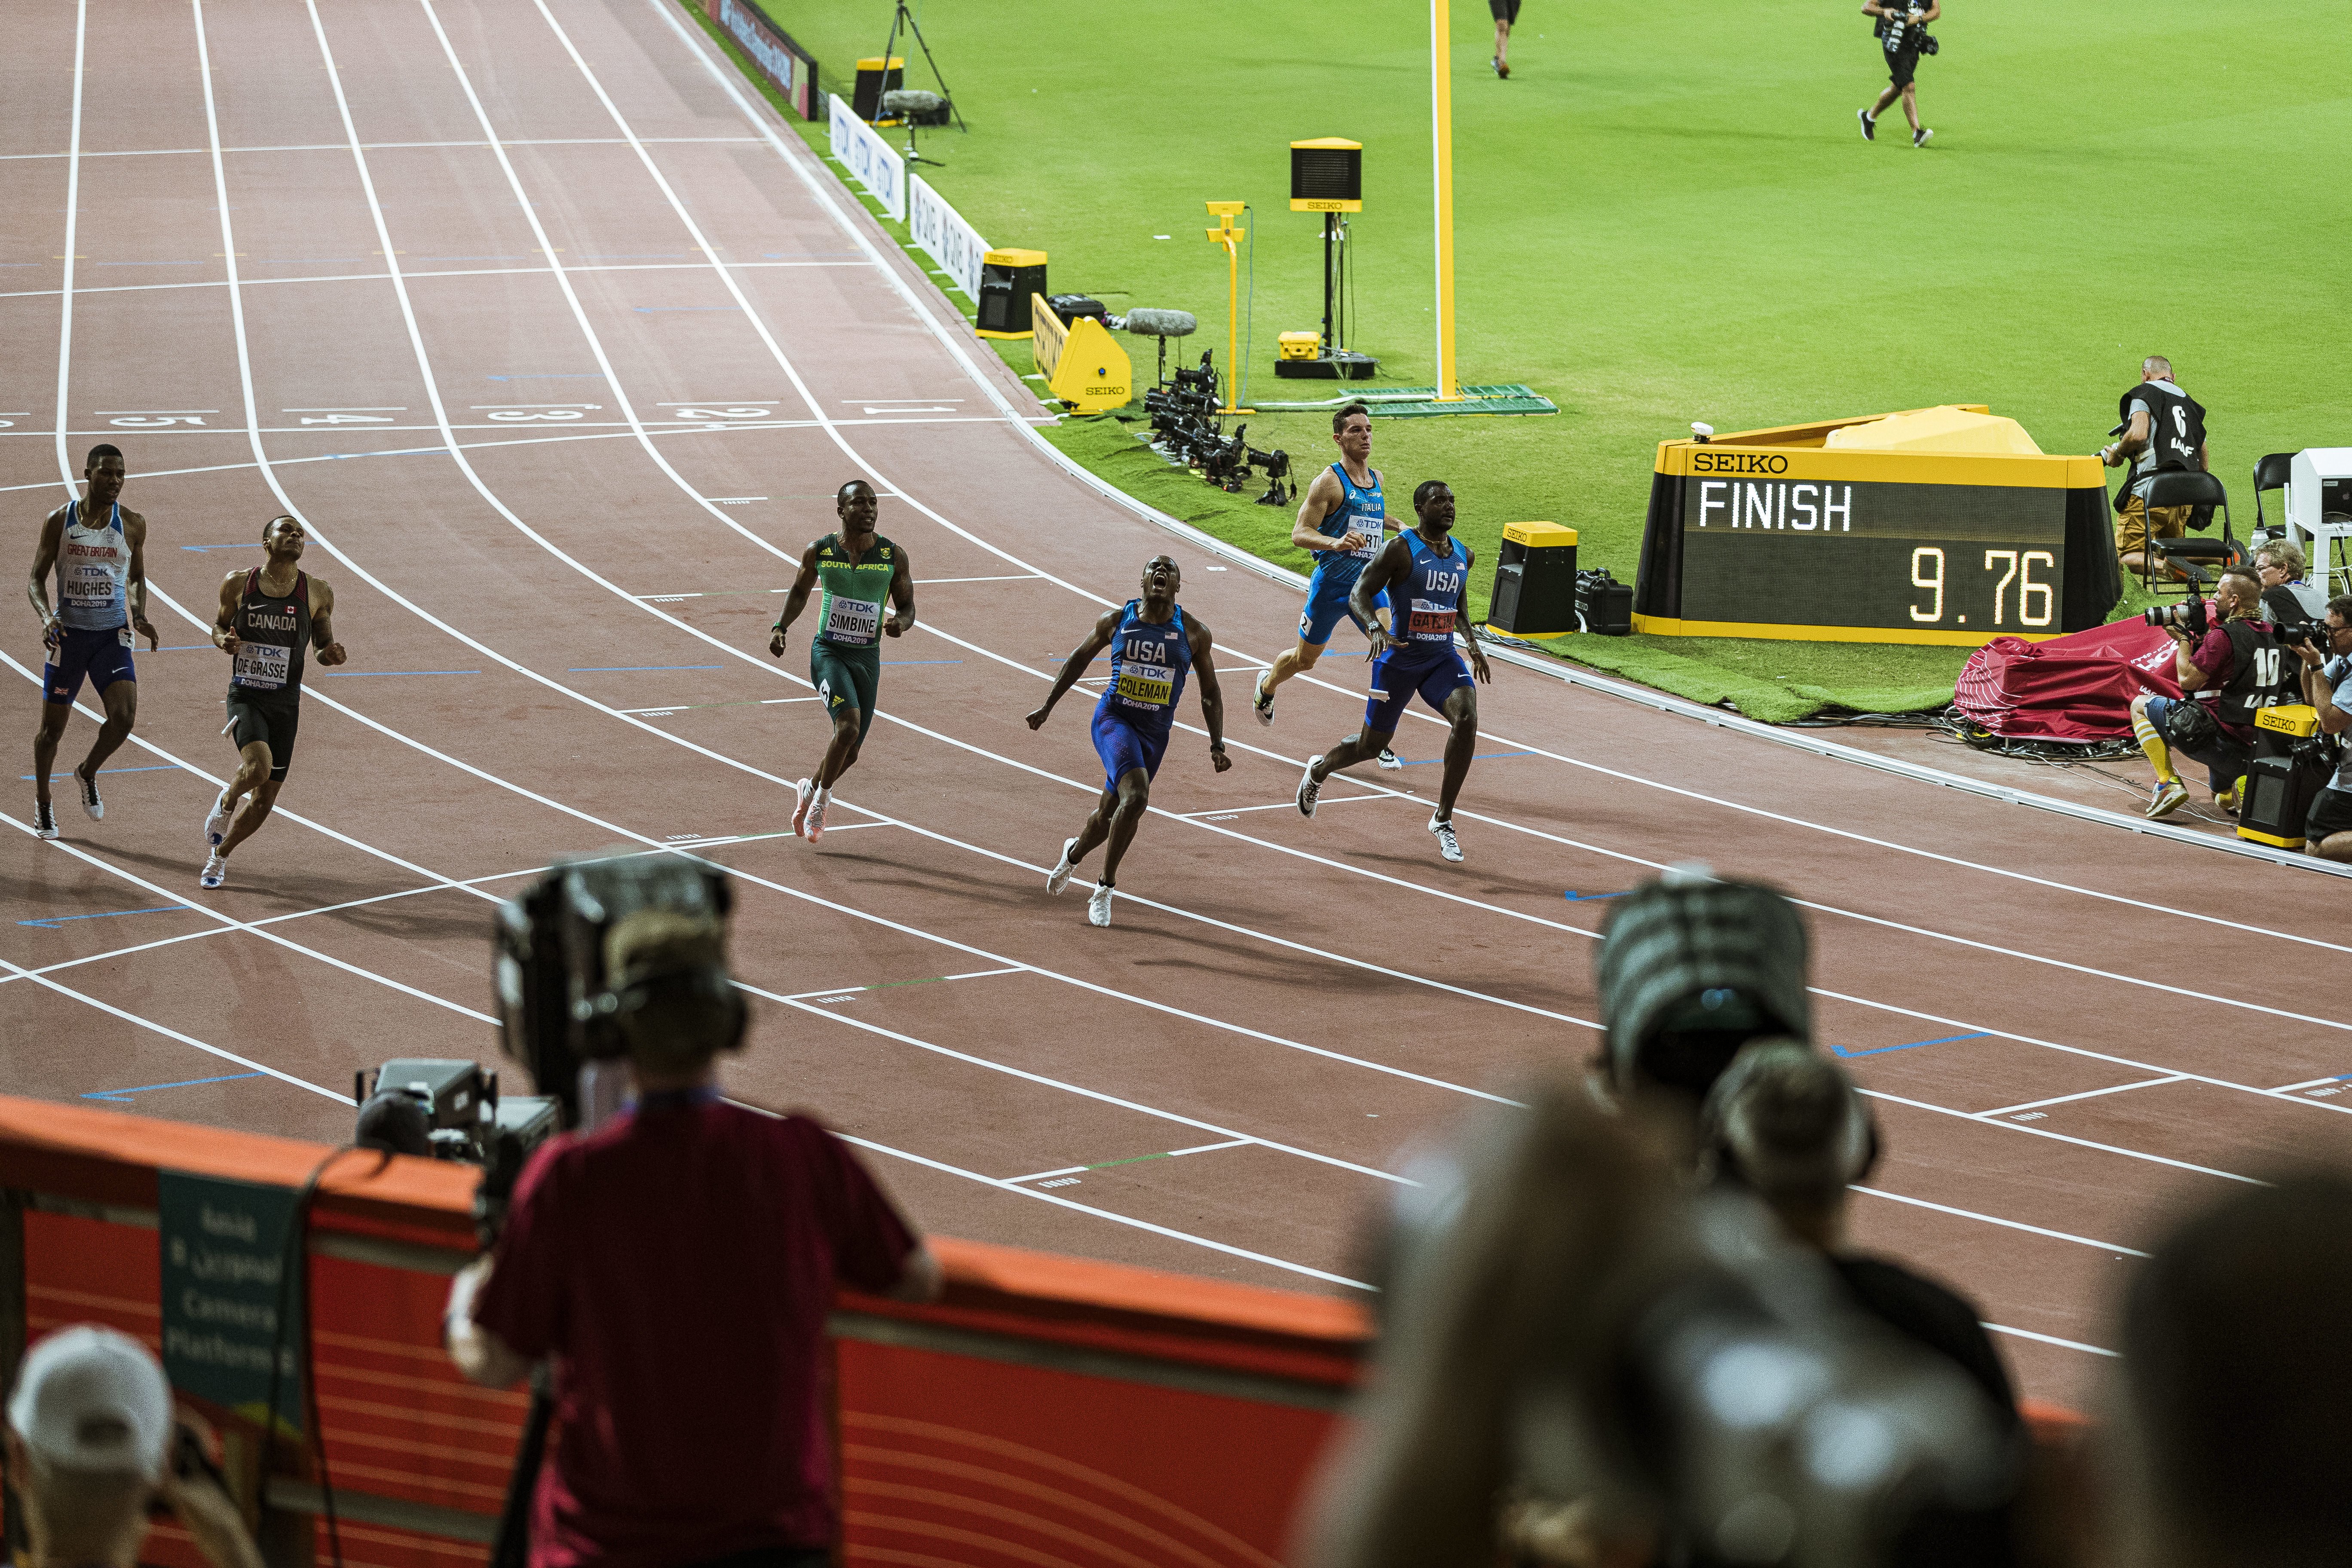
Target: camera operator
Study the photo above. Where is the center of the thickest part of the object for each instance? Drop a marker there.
(1901, 33)
(2161, 428)
(1785, 1123)
(2287, 598)
(91, 1441)
(2226, 1443)
(2327, 686)
(677, 1264)
(2228, 665)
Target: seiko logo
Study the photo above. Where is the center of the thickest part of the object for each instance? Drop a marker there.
(1738, 463)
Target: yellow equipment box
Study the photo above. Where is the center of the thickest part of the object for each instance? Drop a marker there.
(2299, 719)
(1081, 363)
(1540, 535)
(1298, 345)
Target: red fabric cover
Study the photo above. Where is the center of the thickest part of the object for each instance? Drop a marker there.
(2074, 687)
(680, 1261)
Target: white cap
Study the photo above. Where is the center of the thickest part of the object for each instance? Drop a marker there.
(91, 1399)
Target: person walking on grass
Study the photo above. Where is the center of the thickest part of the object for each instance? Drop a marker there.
(1902, 30)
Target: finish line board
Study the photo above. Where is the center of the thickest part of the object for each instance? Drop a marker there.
(1767, 533)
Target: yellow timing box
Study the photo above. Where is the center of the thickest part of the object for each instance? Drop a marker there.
(2299, 719)
(1298, 345)
(1082, 364)
(1540, 535)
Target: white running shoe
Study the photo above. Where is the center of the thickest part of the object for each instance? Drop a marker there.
(45, 820)
(91, 806)
(1262, 701)
(1060, 877)
(1098, 905)
(1447, 845)
(2170, 795)
(812, 824)
(1310, 787)
(215, 870)
(1919, 137)
(1390, 759)
(216, 821)
(800, 805)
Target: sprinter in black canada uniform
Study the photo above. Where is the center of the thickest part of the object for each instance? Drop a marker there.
(266, 615)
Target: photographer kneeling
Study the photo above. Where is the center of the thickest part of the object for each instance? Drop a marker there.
(2228, 664)
(678, 1263)
(2327, 686)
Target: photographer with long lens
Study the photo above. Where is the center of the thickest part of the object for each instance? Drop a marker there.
(2327, 686)
(677, 1264)
(2230, 667)
(1901, 33)
(94, 1441)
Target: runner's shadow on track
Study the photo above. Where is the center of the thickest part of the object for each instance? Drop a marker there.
(1534, 887)
(301, 891)
(884, 871)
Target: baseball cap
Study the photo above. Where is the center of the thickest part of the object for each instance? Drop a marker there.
(90, 1399)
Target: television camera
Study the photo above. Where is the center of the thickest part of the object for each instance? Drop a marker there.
(1186, 431)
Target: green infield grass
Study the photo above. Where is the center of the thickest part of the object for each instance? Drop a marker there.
(1668, 212)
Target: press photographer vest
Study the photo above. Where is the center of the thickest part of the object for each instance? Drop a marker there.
(2256, 673)
(2175, 432)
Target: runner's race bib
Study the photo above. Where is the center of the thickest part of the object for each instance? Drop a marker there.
(1146, 685)
(262, 665)
(852, 620)
(1430, 623)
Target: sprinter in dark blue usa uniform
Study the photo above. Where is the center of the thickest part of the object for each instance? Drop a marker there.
(1426, 572)
(1154, 645)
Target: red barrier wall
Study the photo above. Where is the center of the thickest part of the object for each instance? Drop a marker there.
(1048, 1413)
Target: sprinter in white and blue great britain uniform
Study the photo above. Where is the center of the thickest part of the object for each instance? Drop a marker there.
(97, 551)
(1429, 571)
(1154, 645)
(1343, 523)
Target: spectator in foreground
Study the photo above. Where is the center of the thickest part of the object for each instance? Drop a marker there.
(2231, 1440)
(677, 1264)
(2327, 686)
(89, 1443)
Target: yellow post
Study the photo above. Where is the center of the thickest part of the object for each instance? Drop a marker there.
(1440, 131)
(1226, 234)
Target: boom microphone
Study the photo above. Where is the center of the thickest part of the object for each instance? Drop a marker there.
(1161, 323)
(915, 106)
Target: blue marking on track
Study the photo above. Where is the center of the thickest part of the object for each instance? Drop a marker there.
(249, 545)
(157, 768)
(122, 1095)
(1911, 1045)
(628, 669)
(1577, 898)
(56, 922)
(350, 674)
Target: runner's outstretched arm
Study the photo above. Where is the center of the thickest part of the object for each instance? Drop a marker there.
(322, 625)
(1213, 700)
(796, 601)
(902, 597)
(1390, 565)
(1105, 628)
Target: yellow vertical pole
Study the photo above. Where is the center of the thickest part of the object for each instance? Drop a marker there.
(1441, 132)
(1226, 234)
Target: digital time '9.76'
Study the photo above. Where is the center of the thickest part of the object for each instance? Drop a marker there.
(2035, 603)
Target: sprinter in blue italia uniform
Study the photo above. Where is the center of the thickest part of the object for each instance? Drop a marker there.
(1426, 571)
(96, 547)
(1343, 523)
(1154, 645)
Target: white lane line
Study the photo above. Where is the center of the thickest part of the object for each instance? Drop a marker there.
(2087, 1094)
(1170, 1154)
(73, 216)
(373, 147)
(1001, 1185)
(2110, 1247)
(447, 272)
(1094, 1094)
(2064, 1138)
(47, 984)
(892, 985)
(2048, 1340)
(1214, 812)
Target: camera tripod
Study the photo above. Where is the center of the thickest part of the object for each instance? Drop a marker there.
(901, 17)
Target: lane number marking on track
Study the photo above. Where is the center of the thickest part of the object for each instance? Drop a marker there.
(1061, 1181)
(827, 1001)
(2033, 1116)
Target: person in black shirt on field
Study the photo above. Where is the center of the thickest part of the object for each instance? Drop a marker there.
(1901, 26)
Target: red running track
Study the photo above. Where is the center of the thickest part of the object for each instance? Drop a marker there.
(561, 350)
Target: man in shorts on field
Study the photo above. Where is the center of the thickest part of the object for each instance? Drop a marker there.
(269, 614)
(1506, 15)
(1901, 26)
(1342, 522)
(98, 549)
(1153, 644)
(858, 569)
(1415, 656)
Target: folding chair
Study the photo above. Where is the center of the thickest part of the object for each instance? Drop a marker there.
(2273, 471)
(2180, 486)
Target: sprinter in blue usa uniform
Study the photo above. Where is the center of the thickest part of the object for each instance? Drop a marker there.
(1154, 645)
(1426, 572)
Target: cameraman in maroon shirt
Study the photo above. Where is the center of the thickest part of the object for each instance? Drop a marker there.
(677, 1264)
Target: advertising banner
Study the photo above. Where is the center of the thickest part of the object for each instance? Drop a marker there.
(871, 160)
(945, 238)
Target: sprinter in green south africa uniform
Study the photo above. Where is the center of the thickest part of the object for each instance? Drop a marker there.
(857, 568)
